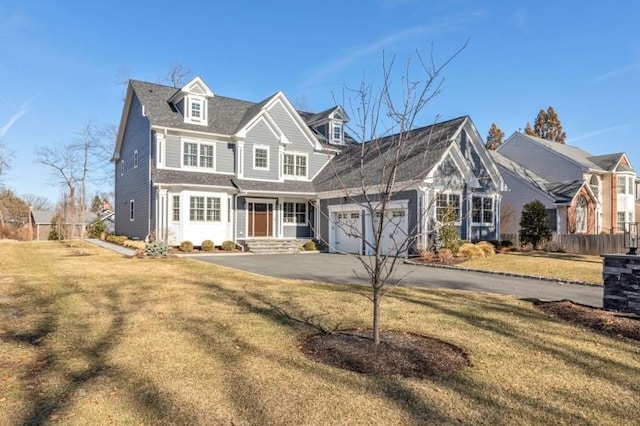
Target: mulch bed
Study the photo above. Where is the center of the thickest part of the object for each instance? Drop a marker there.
(399, 353)
(625, 325)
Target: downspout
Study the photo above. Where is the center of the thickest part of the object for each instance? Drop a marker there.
(149, 160)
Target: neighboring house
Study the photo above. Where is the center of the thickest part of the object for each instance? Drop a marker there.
(193, 165)
(571, 205)
(585, 193)
(42, 224)
(41, 220)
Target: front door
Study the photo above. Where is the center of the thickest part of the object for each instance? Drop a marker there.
(260, 219)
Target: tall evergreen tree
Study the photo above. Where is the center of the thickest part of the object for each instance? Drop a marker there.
(495, 137)
(547, 126)
(534, 226)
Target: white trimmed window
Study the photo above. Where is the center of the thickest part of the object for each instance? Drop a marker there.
(197, 154)
(482, 209)
(135, 159)
(121, 167)
(261, 157)
(443, 202)
(295, 213)
(581, 214)
(294, 165)
(204, 209)
(132, 210)
(196, 110)
(622, 184)
(621, 218)
(176, 208)
(336, 133)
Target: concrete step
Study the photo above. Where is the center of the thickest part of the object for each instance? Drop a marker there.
(273, 246)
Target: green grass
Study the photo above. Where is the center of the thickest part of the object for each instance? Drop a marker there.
(561, 266)
(101, 339)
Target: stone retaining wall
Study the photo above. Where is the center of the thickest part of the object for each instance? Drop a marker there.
(621, 275)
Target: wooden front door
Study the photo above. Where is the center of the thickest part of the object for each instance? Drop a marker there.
(260, 220)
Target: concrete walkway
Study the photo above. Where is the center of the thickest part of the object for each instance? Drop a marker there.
(344, 269)
(113, 247)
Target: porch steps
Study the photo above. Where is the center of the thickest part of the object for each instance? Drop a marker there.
(269, 246)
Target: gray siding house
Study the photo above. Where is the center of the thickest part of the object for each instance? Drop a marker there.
(591, 194)
(194, 165)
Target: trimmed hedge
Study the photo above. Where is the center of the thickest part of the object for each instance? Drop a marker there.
(207, 245)
(186, 246)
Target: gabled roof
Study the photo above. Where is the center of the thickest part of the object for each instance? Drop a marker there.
(424, 147)
(599, 163)
(326, 115)
(560, 192)
(224, 114)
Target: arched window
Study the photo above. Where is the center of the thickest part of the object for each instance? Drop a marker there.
(581, 215)
(594, 184)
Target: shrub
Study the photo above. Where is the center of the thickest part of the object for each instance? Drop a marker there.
(495, 244)
(135, 244)
(186, 246)
(156, 249)
(506, 243)
(471, 251)
(117, 239)
(427, 255)
(445, 255)
(96, 229)
(309, 246)
(487, 248)
(207, 245)
(228, 245)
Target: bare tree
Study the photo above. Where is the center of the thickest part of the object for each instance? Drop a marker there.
(4, 160)
(38, 202)
(74, 165)
(384, 127)
(177, 74)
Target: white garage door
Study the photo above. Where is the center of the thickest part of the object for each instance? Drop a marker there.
(394, 235)
(348, 232)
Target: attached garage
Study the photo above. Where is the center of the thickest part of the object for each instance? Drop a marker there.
(394, 236)
(350, 225)
(348, 232)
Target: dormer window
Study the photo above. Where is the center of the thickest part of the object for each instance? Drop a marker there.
(195, 112)
(337, 133)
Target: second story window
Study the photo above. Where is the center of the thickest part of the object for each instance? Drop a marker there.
(261, 158)
(295, 165)
(135, 159)
(337, 133)
(195, 111)
(200, 155)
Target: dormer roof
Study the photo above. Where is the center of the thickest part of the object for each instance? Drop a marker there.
(197, 86)
(333, 113)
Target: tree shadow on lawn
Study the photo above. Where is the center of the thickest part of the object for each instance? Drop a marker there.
(617, 372)
(285, 314)
(47, 399)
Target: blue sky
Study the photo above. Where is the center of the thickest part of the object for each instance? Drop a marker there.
(62, 61)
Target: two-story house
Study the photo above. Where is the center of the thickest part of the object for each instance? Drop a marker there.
(584, 193)
(194, 165)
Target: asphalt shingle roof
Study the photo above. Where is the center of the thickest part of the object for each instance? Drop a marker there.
(225, 114)
(423, 148)
(561, 192)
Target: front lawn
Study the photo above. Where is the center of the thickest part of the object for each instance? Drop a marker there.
(90, 337)
(561, 266)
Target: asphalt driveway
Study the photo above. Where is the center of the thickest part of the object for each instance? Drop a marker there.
(344, 269)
